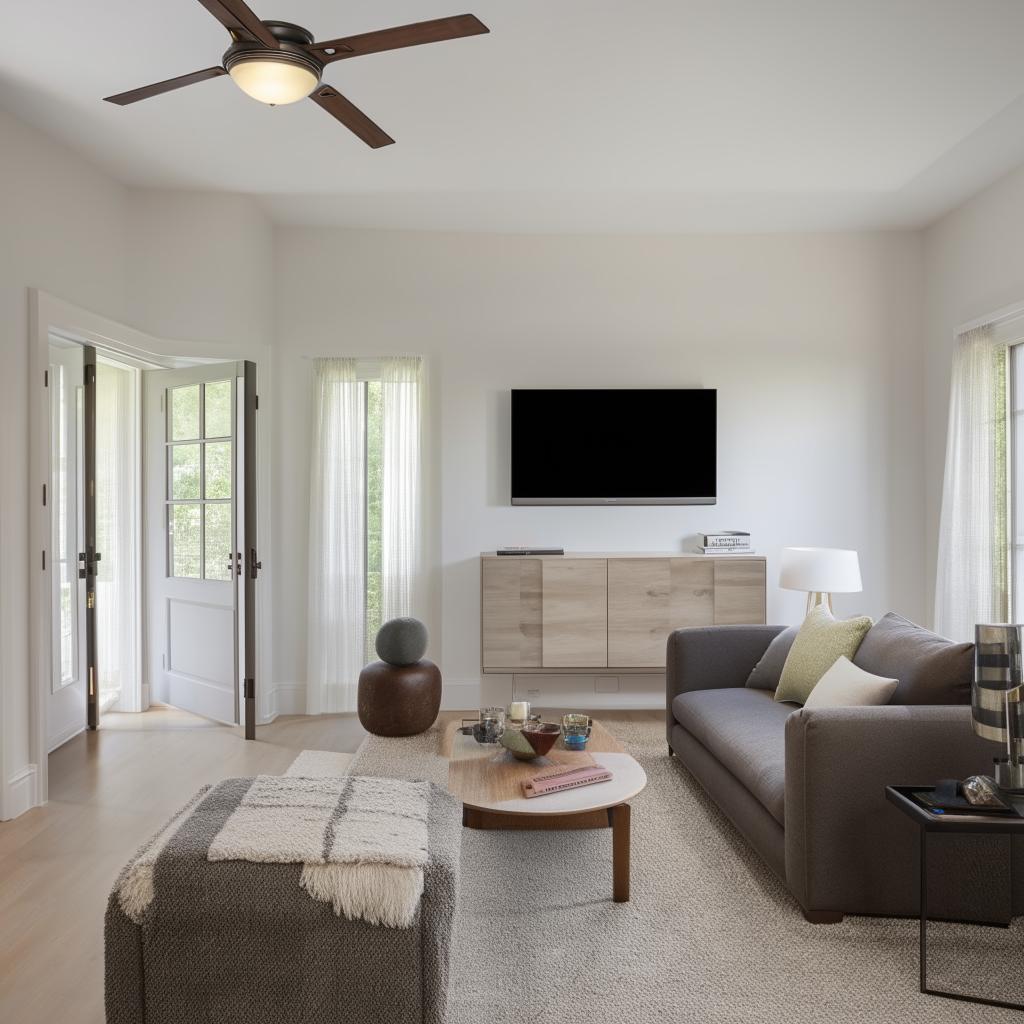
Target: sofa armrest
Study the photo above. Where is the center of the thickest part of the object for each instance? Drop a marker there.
(712, 658)
(847, 849)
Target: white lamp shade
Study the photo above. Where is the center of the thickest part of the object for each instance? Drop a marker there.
(820, 570)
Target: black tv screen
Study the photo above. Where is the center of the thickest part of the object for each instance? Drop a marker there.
(614, 447)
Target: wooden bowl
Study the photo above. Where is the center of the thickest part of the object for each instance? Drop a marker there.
(541, 736)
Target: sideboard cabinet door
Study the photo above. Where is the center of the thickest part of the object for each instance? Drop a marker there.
(739, 592)
(575, 612)
(639, 605)
(511, 613)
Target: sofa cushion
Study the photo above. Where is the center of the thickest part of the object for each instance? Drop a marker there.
(768, 671)
(746, 730)
(820, 641)
(845, 685)
(930, 668)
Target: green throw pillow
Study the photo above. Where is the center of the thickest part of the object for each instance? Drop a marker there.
(820, 642)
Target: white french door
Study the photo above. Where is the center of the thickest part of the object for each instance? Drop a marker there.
(193, 528)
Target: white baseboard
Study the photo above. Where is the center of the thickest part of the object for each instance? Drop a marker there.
(22, 793)
(290, 698)
(63, 736)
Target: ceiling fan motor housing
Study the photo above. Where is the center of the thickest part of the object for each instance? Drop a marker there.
(292, 40)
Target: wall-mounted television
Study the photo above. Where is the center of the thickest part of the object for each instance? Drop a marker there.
(614, 446)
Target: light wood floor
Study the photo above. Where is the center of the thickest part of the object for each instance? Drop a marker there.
(109, 791)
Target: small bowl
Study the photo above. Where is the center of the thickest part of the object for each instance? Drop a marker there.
(541, 736)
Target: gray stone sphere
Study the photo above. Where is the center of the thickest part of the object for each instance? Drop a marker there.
(401, 641)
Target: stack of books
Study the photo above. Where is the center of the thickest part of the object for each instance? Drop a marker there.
(726, 542)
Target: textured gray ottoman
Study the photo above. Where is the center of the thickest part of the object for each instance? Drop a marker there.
(239, 941)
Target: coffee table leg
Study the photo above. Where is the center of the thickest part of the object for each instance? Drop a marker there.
(618, 819)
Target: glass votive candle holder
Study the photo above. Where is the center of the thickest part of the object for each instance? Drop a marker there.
(491, 726)
(576, 731)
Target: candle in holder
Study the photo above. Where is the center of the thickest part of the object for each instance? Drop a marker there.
(519, 711)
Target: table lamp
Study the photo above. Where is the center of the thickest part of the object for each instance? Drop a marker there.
(822, 572)
(997, 711)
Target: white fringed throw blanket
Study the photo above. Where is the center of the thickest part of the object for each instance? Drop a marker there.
(362, 841)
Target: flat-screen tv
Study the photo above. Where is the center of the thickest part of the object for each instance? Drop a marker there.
(614, 447)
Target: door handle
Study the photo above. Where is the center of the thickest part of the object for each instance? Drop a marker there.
(81, 565)
(235, 563)
(254, 566)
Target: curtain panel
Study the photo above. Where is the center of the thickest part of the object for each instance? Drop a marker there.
(400, 483)
(337, 538)
(972, 575)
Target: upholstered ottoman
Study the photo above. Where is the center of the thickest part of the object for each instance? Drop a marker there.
(242, 941)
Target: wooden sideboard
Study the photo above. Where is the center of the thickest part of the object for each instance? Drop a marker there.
(580, 612)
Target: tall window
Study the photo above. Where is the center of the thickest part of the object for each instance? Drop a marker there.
(364, 516)
(980, 567)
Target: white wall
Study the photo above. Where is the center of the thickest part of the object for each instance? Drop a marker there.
(974, 265)
(62, 227)
(813, 343)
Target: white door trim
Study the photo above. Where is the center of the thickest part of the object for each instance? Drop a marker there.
(49, 314)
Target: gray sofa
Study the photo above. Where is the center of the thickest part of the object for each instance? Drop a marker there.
(805, 787)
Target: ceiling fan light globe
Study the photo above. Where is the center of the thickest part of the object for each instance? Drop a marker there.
(274, 82)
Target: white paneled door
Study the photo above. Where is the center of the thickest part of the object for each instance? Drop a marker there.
(195, 526)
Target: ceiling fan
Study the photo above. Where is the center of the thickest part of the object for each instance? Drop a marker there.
(277, 62)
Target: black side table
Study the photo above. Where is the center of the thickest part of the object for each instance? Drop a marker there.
(929, 821)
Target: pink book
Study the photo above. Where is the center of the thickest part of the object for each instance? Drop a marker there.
(555, 780)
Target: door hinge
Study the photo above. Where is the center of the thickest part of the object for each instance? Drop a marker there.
(44, 495)
(44, 559)
(256, 401)
(46, 378)
(249, 689)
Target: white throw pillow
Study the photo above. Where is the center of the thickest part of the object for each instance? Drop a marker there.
(845, 685)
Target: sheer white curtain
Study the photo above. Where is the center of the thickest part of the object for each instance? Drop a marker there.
(337, 538)
(400, 483)
(972, 577)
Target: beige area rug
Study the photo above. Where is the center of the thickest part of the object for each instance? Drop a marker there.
(710, 934)
(319, 764)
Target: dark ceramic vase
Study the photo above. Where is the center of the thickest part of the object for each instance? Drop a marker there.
(399, 700)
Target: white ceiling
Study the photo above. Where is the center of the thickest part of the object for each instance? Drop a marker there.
(665, 115)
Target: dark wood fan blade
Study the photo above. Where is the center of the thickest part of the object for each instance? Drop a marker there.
(351, 117)
(235, 16)
(122, 99)
(395, 38)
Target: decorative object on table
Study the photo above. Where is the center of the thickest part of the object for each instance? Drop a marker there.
(997, 710)
(576, 731)
(491, 726)
(401, 641)
(821, 572)
(399, 697)
(726, 542)
(541, 736)
(819, 643)
(982, 791)
(560, 778)
(518, 712)
(517, 744)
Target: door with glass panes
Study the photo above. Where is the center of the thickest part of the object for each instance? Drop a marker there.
(193, 482)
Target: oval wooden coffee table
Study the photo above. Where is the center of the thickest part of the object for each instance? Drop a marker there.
(488, 780)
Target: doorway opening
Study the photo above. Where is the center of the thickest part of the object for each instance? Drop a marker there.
(147, 524)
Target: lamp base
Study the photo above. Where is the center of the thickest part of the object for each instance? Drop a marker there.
(1009, 777)
(816, 597)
